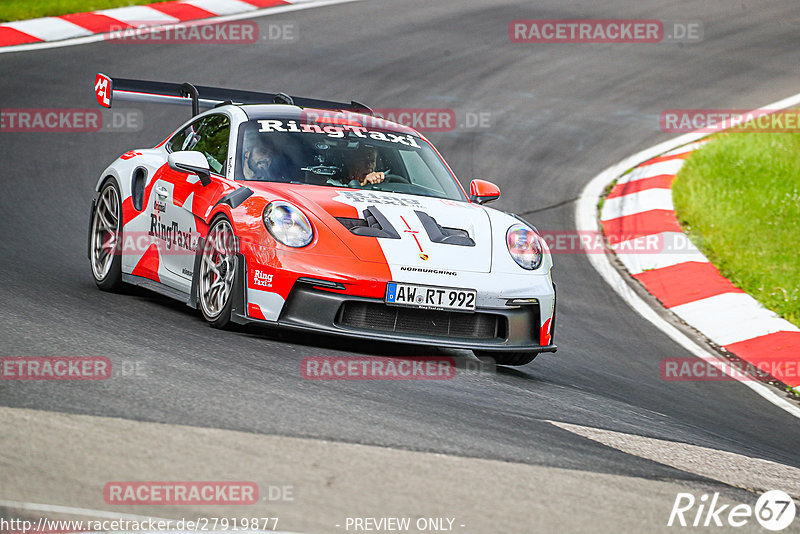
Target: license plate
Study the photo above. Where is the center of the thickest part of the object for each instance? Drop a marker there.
(430, 297)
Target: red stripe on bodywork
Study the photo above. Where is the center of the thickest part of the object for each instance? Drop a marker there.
(128, 210)
(544, 333)
(96, 22)
(320, 200)
(776, 354)
(640, 224)
(147, 266)
(12, 36)
(417, 240)
(685, 282)
(254, 311)
(661, 181)
(182, 11)
(682, 155)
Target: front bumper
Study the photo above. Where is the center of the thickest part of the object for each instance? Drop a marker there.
(310, 309)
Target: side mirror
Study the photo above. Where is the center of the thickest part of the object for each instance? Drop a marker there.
(191, 162)
(481, 191)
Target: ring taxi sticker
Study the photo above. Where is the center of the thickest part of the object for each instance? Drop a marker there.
(338, 131)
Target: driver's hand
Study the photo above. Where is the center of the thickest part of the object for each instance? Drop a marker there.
(372, 178)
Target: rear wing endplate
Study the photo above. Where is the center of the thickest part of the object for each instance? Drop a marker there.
(108, 91)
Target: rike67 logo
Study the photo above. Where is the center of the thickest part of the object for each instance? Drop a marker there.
(774, 510)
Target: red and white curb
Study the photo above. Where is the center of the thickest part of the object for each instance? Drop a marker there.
(84, 25)
(706, 300)
(682, 279)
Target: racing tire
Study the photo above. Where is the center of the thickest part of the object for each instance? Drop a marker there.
(507, 358)
(217, 273)
(105, 237)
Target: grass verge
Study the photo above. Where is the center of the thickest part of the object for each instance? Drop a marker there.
(11, 10)
(738, 198)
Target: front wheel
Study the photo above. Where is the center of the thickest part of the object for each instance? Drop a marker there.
(507, 358)
(104, 238)
(217, 273)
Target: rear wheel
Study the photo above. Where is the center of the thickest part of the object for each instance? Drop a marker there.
(104, 239)
(217, 273)
(507, 358)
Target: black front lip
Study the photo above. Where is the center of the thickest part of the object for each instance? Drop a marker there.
(313, 310)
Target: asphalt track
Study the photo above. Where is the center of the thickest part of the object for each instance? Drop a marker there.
(559, 113)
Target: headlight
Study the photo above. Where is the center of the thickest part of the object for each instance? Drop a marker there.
(288, 224)
(525, 246)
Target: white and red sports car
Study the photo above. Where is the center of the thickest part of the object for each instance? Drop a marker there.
(317, 216)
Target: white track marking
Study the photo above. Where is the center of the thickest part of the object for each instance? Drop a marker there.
(222, 7)
(649, 199)
(586, 220)
(48, 28)
(691, 147)
(671, 248)
(671, 166)
(713, 316)
(298, 5)
(754, 474)
(139, 16)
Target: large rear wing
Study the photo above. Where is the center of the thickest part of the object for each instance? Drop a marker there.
(108, 90)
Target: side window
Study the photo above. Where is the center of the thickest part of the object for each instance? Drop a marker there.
(208, 135)
(212, 141)
(176, 143)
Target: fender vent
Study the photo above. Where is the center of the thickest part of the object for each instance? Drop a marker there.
(137, 188)
(374, 224)
(443, 234)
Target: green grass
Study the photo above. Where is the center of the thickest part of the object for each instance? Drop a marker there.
(738, 198)
(30, 9)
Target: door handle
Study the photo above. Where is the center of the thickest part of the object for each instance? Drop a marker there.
(161, 191)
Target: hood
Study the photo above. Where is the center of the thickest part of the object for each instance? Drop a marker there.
(412, 231)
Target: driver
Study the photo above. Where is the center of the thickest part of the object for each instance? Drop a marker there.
(260, 160)
(359, 167)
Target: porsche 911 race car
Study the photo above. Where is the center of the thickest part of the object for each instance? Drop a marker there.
(317, 216)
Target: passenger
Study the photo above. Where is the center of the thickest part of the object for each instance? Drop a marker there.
(261, 161)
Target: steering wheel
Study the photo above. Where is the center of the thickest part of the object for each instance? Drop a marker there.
(387, 179)
(395, 178)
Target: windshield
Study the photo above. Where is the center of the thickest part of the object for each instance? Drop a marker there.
(342, 155)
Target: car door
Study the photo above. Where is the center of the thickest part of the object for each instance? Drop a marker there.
(182, 202)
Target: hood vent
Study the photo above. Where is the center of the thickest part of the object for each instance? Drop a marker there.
(374, 224)
(443, 234)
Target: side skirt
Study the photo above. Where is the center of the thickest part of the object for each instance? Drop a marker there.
(155, 286)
